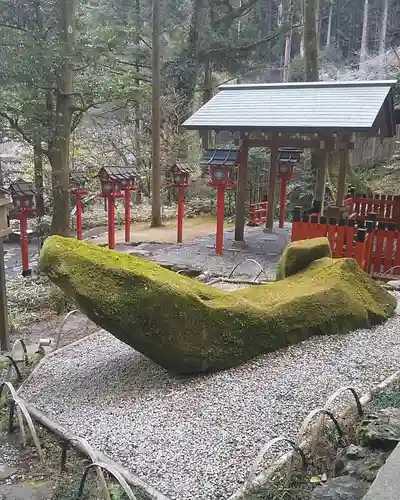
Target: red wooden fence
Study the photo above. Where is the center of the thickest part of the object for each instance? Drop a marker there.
(345, 240)
(386, 207)
(258, 213)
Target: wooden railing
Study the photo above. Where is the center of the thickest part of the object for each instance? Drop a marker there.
(258, 213)
(375, 246)
(345, 239)
(386, 208)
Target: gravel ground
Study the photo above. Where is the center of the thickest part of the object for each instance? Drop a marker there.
(195, 438)
(263, 247)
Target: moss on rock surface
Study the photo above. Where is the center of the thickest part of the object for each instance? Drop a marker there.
(299, 254)
(188, 327)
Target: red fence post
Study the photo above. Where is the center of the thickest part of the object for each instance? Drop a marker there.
(377, 258)
(79, 231)
(296, 224)
(331, 234)
(127, 215)
(181, 208)
(349, 239)
(340, 238)
(111, 220)
(219, 240)
(389, 247)
(359, 252)
(23, 239)
(282, 206)
(314, 220)
(396, 261)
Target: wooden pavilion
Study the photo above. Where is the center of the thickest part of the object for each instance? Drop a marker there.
(321, 116)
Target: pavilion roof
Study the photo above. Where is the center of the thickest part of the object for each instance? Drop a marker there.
(308, 107)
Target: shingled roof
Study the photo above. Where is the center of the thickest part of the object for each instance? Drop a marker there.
(353, 106)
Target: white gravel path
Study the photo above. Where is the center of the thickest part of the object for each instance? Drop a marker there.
(196, 438)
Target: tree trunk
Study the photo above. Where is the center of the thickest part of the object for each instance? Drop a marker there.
(382, 37)
(329, 33)
(59, 151)
(137, 105)
(38, 174)
(310, 41)
(318, 21)
(287, 20)
(156, 119)
(207, 94)
(187, 85)
(364, 36)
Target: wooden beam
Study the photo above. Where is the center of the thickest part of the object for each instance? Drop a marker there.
(294, 143)
(241, 190)
(343, 164)
(320, 183)
(4, 327)
(273, 173)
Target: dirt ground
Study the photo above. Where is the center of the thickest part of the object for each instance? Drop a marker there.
(141, 232)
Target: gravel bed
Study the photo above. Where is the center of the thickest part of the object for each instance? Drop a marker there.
(263, 247)
(195, 438)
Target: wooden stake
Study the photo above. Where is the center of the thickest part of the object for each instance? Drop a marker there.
(241, 190)
(321, 177)
(344, 161)
(273, 172)
(4, 330)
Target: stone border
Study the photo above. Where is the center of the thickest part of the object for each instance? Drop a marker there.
(263, 478)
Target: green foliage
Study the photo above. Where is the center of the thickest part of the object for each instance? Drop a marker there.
(299, 488)
(387, 399)
(67, 487)
(31, 57)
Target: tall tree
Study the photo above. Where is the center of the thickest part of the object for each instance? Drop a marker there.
(382, 35)
(330, 17)
(156, 118)
(60, 150)
(364, 36)
(311, 72)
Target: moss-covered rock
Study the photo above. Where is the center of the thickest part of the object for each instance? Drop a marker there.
(299, 255)
(188, 327)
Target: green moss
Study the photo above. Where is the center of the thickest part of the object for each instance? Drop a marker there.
(188, 327)
(299, 255)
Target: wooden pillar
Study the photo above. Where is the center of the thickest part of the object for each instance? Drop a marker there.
(4, 328)
(241, 189)
(273, 173)
(344, 162)
(322, 168)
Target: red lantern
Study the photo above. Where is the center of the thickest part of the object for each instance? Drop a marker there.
(222, 163)
(287, 158)
(179, 172)
(114, 180)
(78, 182)
(23, 196)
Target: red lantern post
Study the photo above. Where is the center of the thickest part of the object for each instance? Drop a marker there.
(223, 176)
(180, 181)
(23, 196)
(219, 237)
(111, 217)
(127, 215)
(113, 180)
(127, 196)
(287, 158)
(78, 183)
